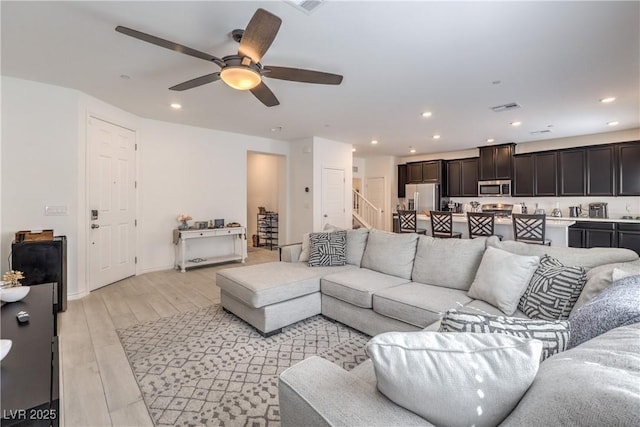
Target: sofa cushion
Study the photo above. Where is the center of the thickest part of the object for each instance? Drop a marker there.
(554, 335)
(618, 305)
(356, 242)
(416, 303)
(481, 307)
(390, 253)
(502, 278)
(264, 284)
(328, 249)
(594, 384)
(587, 258)
(553, 290)
(601, 277)
(357, 286)
(306, 248)
(454, 379)
(451, 263)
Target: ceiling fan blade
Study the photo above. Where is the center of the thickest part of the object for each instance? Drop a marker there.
(300, 75)
(168, 44)
(198, 81)
(259, 34)
(264, 94)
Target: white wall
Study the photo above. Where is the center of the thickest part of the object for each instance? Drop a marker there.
(263, 187)
(335, 155)
(179, 168)
(301, 207)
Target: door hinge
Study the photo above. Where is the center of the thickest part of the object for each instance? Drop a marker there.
(135, 147)
(135, 184)
(135, 260)
(135, 222)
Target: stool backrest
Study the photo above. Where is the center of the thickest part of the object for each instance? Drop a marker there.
(529, 228)
(480, 224)
(441, 223)
(408, 221)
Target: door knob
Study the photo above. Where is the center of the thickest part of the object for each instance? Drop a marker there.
(325, 215)
(95, 226)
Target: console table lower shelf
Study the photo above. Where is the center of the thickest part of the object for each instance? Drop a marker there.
(180, 238)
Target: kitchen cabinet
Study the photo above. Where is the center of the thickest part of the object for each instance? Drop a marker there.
(522, 175)
(628, 236)
(586, 234)
(414, 173)
(629, 168)
(425, 172)
(600, 173)
(462, 177)
(495, 162)
(535, 174)
(571, 172)
(402, 180)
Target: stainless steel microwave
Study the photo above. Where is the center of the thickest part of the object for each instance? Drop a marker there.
(495, 188)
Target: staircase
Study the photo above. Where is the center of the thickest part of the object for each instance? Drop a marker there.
(364, 213)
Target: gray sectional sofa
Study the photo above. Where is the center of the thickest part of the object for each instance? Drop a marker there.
(406, 282)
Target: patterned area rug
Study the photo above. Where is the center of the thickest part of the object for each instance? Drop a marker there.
(208, 367)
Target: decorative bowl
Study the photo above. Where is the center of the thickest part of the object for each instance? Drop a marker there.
(5, 346)
(14, 294)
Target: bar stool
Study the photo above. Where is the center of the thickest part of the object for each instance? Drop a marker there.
(481, 224)
(530, 228)
(442, 225)
(409, 222)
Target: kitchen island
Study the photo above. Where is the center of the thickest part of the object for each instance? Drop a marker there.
(557, 229)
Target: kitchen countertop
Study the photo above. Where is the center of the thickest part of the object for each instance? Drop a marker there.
(555, 222)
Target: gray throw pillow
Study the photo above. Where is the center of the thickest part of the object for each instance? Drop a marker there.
(617, 305)
(553, 334)
(328, 249)
(553, 290)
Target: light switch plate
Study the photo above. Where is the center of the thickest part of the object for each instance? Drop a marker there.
(59, 210)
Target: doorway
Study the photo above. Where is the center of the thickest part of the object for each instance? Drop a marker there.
(333, 206)
(111, 159)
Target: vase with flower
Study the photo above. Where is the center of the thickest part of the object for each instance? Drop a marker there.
(183, 218)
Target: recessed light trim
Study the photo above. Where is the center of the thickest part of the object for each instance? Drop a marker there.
(515, 124)
(176, 106)
(413, 150)
(490, 140)
(374, 141)
(353, 150)
(436, 136)
(613, 123)
(608, 99)
(427, 114)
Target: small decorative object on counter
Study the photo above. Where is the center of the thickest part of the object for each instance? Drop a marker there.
(12, 290)
(183, 218)
(12, 278)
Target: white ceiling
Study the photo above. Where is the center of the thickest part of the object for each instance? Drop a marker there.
(556, 59)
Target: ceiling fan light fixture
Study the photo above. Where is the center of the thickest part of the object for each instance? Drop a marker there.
(240, 77)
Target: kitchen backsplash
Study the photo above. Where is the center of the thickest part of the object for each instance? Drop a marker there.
(617, 206)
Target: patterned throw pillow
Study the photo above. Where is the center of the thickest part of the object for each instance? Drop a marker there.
(553, 290)
(328, 249)
(553, 334)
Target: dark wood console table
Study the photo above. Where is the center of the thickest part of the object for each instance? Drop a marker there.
(29, 373)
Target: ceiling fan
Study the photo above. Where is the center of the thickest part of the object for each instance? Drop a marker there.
(244, 70)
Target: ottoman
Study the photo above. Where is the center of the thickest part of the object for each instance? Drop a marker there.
(273, 295)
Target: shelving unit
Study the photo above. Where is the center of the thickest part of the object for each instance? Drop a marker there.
(268, 229)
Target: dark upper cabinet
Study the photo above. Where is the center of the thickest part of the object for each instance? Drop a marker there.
(600, 173)
(571, 172)
(454, 178)
(495, 162)
(402, 180)
(523, 181)
(629, 168)
(414, 172)
(469, 177)
(545, 173)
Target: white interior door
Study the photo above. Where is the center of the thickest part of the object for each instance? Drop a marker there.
(111, 176)
(375, 193)
(333, 208)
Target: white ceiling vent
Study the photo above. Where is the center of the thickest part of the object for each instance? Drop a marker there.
(506, 107)
(306, 6)
(538, 132)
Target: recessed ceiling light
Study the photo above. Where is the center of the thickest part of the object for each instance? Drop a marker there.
(125, 77)
(374, 141)
(608, 99)
(436, 136)
(516, 123)
(413, 150)
(353, 150)
(176, 106)
(613, 123)
(276, 129)
(496, 82)
(490, 140)
(427, 114)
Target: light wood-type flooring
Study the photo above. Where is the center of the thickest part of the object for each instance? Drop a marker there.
(98, 387)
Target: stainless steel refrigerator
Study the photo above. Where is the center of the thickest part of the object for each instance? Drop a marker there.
(422, 197)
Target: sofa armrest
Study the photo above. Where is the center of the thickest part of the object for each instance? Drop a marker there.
(316, 392)
(290, 252)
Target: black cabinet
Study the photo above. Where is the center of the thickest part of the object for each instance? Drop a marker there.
(629, 168)
(600, 173)
(545, 173)
(414, 173)
(462, 177)
(586, 234)
(629, 236)
(523, 183)
(495, 162)
(571, 172)
(425, 172)
(402, 180)
(43, 261)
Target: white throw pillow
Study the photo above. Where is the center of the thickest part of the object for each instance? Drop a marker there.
(459, 379)
(502, 278)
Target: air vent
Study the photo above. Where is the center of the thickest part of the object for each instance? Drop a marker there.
(306, 6)
(505, 107)
(538, 132)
